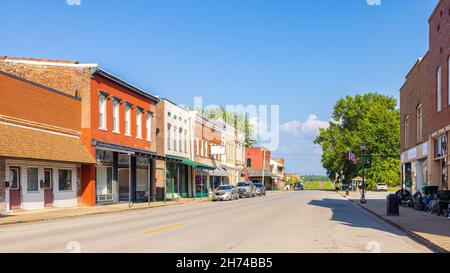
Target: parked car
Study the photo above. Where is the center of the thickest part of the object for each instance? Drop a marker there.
(225, 192)
(260, 189)
(246, 189)
(299, 187)
(382, 187)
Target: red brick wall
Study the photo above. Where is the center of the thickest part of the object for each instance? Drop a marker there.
(208, 134)
(100, 83)
(25, 101)
(65, 79)
(256, 155)
(439, 55)
(412, 94)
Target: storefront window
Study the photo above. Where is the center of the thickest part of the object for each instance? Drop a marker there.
(65, 180)
(104, 156)
(33, 179)
(104, 180)
(440, 147)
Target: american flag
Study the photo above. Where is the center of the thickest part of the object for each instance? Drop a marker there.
(352, 157)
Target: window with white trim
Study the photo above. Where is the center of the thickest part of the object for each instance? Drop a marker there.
(169, 138)
(65, 180)
(33, 179)
(127, 119)
(148, 126)
(116, 116)
(139, 123)
(180, 140)
(185, 141)
(102, 112)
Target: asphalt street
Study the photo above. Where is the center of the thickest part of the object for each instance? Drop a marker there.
(294, 222)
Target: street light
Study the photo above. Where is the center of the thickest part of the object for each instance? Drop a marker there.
(363, 192)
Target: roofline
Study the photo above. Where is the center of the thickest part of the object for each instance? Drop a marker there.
(95, 68)
(419, 61)
(49, 63)
(435, 10)
(39, 85)
(119, 81)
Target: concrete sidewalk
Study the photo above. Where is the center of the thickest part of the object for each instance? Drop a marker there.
(429, 229)
(17, 217)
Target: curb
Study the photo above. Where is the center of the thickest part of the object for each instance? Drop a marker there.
(89, 214)
(408, 232)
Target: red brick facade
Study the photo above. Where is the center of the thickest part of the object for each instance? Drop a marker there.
(438, 56)
(255, 156)
(102, 84)
(421, 90)
(25, 102)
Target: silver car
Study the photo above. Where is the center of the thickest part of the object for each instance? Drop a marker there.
(246, 189)
(225, 192)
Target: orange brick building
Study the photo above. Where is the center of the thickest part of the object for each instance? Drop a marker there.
(258, 166)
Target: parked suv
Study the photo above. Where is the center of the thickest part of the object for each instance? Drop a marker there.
(382, 187)
(246, 189)
(260, 189)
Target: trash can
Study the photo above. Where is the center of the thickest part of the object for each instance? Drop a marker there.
(393, 205)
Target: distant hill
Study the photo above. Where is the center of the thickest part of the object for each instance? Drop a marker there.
(316, 178)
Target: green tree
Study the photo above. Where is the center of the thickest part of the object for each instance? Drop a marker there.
(238, 121)
(371, 119)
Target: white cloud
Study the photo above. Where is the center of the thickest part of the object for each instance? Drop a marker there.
(291, 127)
(310, 127)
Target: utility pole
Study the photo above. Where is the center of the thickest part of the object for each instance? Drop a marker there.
(363, 192)
(264, 167)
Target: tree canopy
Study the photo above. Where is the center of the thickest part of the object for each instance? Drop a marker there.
(237, 120)
(371, 119)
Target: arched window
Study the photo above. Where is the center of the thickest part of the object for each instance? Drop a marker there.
(419, 123)
(406, 133)
(439, 89)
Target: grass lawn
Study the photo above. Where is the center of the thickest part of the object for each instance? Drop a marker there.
(325, 186)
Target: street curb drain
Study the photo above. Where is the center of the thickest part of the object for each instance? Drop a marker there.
(408, 232)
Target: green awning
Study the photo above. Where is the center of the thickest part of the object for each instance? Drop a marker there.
(192, 163)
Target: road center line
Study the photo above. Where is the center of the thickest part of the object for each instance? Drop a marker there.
(164, 228)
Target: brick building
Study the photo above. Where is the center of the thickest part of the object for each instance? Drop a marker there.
(174, 175)
(207, 138)
(425, 109)
(258, 166)
(117, 126)
(278, 169)
(41, 152)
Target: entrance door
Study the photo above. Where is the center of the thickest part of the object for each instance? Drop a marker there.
(48, 188)
(15, 188)
(124, 184)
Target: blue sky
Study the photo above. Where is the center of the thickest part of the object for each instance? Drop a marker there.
(300, 54)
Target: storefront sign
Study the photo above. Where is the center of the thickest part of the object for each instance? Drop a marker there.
(217, 150)
(425, 149)
(412, 154)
